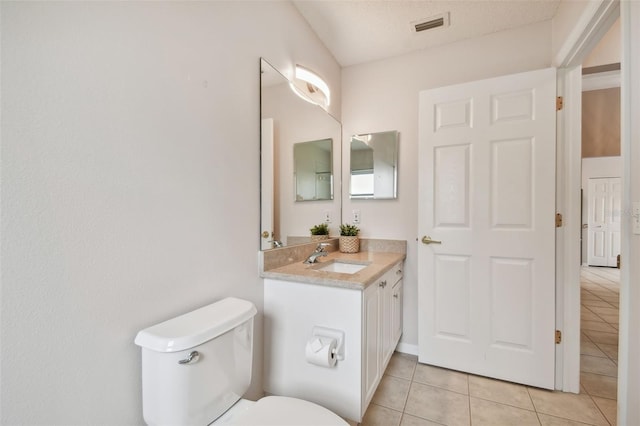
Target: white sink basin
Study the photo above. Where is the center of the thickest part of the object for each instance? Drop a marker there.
(342, 267)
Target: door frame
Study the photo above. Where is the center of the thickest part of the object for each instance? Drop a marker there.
(267, 208)
(594, 22)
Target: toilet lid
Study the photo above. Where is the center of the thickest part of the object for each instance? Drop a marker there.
(285, 411)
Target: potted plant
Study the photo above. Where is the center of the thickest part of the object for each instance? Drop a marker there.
(349, 241)
(319, 232)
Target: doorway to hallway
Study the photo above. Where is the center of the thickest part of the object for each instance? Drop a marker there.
(600, 301)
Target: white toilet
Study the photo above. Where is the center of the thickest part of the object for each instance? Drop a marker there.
(196, 367)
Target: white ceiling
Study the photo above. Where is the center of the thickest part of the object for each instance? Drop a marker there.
(358, 31)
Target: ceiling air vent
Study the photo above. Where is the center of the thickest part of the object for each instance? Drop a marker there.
(437, 21)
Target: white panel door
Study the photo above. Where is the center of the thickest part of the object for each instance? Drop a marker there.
(487, 201)
(266, 184)
(603, 242)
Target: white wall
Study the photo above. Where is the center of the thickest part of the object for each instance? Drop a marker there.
(383, 95)
(593, 168)
(608, 50)
(130, 156)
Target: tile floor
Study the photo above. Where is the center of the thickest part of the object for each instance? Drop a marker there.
(412, 394)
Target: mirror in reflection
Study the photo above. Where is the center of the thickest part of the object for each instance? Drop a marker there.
(312, 170)
(374, 165)
(293, 128)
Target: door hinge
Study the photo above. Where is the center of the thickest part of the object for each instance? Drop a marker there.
(558, 337)
(558, 220)
(559, 103)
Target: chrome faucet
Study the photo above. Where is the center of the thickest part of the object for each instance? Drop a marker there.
(318, 252)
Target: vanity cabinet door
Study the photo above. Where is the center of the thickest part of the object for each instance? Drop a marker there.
(371, 370)
(379, 336)
(396, 305)
(390, 312)
(386, 287)
(396, 313)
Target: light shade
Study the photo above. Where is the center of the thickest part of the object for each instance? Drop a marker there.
(311, 86)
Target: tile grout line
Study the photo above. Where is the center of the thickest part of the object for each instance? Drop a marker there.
(615, 361)
(586, 303)
(431, 385)
(599, 374)
(599, 409)
(533, 404)
(404, 406)
(406, 399)
(506, 404)
(587, 308)
(592, 286)
(469, 397)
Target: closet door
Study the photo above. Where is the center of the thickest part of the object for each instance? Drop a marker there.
(603, 243)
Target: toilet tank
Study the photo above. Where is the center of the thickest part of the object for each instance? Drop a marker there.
(219, 340)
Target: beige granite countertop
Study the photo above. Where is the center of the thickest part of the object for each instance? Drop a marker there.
(377, 264)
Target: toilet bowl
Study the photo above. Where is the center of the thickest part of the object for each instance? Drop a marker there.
(196, 367)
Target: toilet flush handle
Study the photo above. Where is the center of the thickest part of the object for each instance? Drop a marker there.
(192, 358)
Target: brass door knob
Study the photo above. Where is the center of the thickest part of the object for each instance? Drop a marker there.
(265, 234)
(427, 240)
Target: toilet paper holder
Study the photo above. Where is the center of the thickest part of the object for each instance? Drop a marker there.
(333, 334)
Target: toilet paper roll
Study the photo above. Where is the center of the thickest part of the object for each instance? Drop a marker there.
(321, 351)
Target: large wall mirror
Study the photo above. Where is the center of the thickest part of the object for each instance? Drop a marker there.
(300, 146)
(374, 166)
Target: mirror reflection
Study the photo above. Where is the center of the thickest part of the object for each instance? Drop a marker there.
(374, 166)
(311, 87)
(313, 171)
(288, 124)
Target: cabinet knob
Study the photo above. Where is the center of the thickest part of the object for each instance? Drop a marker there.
(383, 284)
(399, 272)
(395, 295)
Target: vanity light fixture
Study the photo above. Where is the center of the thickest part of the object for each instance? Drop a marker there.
(311, 87)
(363, 138)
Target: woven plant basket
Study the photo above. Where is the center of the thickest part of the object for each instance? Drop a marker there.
(316, 238)
(350, 244)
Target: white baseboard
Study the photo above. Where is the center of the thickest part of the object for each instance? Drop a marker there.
(407, 348)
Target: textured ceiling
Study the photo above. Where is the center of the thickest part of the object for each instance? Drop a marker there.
(358, 31)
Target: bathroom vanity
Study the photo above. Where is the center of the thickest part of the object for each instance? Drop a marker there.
(363, 300)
